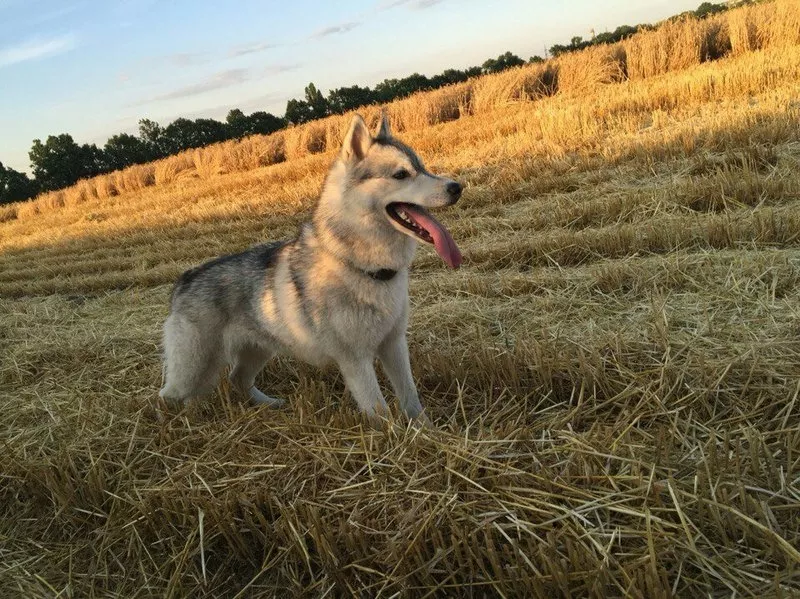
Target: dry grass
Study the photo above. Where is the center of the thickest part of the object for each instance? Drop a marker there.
(423, 110)
(520, 84)
(77, 194)
(171, 169)
(676, 45)
(764, 26)
(8, 212)
(614, 372)
(252, 152)
(305, 140)
(581, 72)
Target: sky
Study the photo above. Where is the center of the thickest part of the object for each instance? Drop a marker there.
(93, 68)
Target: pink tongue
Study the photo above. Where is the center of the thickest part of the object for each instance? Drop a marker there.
(442, 240)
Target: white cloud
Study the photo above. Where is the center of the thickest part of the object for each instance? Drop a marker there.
(415, 4)
(36, 48)
(335, 29)
(217, 81)
(186, 59)
(250, 49)
(277, 69)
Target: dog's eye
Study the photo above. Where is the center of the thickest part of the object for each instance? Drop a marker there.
(401, 174)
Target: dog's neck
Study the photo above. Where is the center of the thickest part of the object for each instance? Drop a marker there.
(324, 237)
(373, 248)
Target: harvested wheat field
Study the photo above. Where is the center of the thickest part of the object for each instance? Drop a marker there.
(613, 373)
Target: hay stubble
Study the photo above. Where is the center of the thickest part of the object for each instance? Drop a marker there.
(614, 372)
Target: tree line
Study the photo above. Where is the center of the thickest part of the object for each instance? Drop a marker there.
(59, 161)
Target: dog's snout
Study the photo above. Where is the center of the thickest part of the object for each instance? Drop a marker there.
(454, 189)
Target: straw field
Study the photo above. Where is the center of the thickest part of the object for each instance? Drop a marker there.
(613, 373)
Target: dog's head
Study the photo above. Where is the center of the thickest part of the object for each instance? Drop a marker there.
(383, 177)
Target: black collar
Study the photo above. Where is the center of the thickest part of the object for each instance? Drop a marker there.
(384, 274)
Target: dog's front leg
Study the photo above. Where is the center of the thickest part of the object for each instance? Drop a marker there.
(359, 376)
(393, 354)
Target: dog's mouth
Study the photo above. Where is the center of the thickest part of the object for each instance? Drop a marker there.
(415, 221)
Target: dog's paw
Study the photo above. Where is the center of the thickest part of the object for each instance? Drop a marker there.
(259, 398)
(421, 420)
(164, 407)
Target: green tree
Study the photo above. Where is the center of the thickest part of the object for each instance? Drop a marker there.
(183, 134)
(152, 134)
(392, 89)
(388, 90)
(620, 33)
(447, 77)
(237, 123)
(317, 103)
(344, 99)
(177, 136)
(557, 50)
(15, 186)
(260, 122)
(473, 72)
(298, 112)
(124, 149)
(59, 162)
(502, 62)
(264, 123)
(414, 83)
(709, 8)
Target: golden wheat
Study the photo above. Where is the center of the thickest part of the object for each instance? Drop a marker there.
(676, 45)
(613, 372)
(581, 72)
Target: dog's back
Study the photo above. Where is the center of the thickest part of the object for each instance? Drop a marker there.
(227, 283)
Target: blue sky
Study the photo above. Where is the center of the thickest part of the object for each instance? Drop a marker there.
(93, 68)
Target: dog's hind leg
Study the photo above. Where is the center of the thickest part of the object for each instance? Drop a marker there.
(249, 360)
(192, 360)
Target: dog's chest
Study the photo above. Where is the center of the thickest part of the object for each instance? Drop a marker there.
(333, 316)
(366, 316)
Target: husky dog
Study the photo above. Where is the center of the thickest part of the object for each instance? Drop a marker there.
(337, 293)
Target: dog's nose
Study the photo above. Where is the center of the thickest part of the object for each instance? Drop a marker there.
(454, 189)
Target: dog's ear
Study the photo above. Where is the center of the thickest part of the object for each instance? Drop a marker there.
(384, 132)
(357, 141)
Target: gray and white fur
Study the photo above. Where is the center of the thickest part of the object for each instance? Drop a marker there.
(337, 293)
